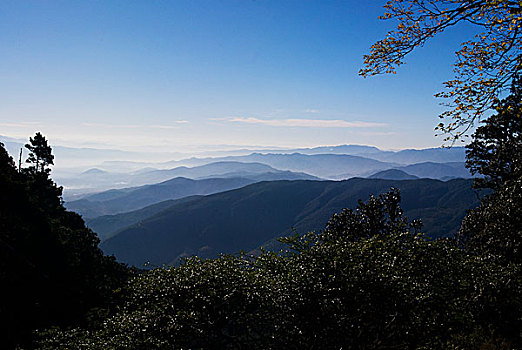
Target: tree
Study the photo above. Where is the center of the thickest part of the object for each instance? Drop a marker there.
(496, 150)
(380, 215)
(495, 228)
(52, 272)
(485, 67)
(6, 161)
(40, 153)
(493, 231)
(496, 153)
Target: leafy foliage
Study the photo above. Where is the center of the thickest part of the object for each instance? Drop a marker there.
(486, 64)
(379, 216)
(366, 281)
(493, 232)
(496, 150)
(51, 271)
(495, 228)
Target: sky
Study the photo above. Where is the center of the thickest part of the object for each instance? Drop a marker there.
(185, 75)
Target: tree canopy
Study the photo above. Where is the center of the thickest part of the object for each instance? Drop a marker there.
(485, 65)
(40, 155)
(496, 149)
(52, 272)
(495, 228)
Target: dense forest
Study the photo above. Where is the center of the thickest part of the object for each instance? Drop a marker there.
(52, 272)
(369, 279)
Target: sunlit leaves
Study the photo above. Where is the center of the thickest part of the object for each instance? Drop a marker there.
(485, 65)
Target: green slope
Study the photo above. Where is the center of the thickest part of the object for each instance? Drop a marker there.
(247, 217)
(107, 226)
(124, 200)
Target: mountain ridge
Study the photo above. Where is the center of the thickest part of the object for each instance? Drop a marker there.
(247, 217)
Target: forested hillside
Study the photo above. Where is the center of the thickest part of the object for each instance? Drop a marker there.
(245, 218)
(52, 272)
(124, 200)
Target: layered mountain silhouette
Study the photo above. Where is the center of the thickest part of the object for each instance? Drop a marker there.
(245, 218)
(128, 199)
(328, 162)
(96, 179)
(321, 165)
(393, 174)
(441, 171)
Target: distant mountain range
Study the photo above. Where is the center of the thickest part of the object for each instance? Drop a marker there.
(406, 156)
(124, 161)
(441, 171)
(95, 179)
(116, 160)
(128, 199)
(328, 162)
(226, 175)
(437, 164)
(321, 165)
(245, 218)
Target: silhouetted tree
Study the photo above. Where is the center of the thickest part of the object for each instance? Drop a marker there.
(495, 228)
(40, 153)
(380, 215)
(496, 150)
(493, 231)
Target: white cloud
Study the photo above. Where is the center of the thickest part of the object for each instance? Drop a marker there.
(311, 123)
(311, 110)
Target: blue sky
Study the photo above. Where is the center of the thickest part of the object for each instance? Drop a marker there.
(181, 75)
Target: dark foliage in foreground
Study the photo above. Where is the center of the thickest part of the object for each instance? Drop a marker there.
(368, 281)
(52, 272)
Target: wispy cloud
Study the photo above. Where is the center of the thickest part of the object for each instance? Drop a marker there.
(309, 123)
(311, 110)
(135, 126)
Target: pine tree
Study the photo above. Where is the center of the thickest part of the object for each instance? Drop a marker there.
(40, 154)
